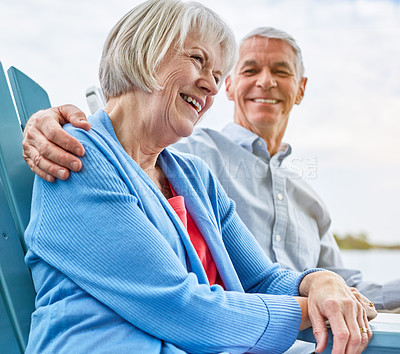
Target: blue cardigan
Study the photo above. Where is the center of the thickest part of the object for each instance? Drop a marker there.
(115, 271)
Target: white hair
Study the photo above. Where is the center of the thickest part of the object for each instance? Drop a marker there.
(137, 44)
(274, 33)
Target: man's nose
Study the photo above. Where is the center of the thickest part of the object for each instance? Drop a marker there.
(266, 80)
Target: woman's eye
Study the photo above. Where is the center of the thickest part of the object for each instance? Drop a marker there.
(198, 58)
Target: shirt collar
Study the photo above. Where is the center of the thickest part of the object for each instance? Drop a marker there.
(253, 143)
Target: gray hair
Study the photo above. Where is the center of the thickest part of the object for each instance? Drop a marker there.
(137, 44)
(274, 33)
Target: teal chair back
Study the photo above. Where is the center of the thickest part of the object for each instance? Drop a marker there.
(16, 180)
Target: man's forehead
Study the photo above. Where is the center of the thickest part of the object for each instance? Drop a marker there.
(257, 48)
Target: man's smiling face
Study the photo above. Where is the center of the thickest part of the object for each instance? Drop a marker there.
(265, 84)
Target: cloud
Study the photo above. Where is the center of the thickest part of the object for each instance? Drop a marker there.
(349, 119)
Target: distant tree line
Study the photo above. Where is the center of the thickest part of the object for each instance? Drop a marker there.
(360, 242)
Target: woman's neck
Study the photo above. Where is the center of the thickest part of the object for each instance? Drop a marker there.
(133, 129)
(137, 135)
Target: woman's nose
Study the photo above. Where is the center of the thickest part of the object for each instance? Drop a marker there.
(207, 83)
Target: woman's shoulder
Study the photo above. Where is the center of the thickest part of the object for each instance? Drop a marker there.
(101, 136)
(103, 151)
(101, 127)
(189, 161)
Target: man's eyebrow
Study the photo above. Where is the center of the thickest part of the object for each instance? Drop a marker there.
(252, 62)
(249, 63)
(284, 64)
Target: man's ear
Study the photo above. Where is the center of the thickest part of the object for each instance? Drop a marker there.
(302, 89)
(228, 88)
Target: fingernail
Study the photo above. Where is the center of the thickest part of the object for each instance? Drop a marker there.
(61, 173)
(74, 166)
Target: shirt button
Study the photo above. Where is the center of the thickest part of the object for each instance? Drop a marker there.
(280, 196)
(278, 238)
(259, 143)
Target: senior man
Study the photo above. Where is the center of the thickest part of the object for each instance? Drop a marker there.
(286, 216)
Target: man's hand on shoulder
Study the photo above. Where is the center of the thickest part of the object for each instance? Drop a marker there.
(49, 151)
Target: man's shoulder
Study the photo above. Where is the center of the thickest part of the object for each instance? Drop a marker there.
(187, 160)
(203, 139)
(208, 132)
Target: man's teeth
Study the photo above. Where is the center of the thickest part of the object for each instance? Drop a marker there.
(262, 100)
(192, 101)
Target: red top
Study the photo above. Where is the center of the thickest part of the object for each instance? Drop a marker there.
(178, 204)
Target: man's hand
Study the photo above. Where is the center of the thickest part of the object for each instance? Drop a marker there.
(329, 298)
(46, 145)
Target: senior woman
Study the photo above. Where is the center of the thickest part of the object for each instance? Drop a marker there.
(152, 256)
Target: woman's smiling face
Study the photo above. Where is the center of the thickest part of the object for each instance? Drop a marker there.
(190, 79)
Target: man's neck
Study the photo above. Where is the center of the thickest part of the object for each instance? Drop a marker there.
(271, 135)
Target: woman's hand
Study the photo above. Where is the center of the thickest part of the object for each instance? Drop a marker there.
(305, 318)
(329, 298)
(46, 145)
(368, 305)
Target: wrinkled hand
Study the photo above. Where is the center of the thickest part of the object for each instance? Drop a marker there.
(368, 305)
(329, 298)
(46, 145)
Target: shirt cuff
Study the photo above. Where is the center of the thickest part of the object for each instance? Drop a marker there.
(391, 297)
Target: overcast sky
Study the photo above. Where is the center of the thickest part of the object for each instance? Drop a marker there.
(345, 134)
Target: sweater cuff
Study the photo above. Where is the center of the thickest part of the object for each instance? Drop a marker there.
(284, 323)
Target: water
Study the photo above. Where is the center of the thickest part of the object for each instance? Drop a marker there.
(377, 265)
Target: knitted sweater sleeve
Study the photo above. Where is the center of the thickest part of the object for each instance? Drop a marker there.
(91, 228)
(256, 272)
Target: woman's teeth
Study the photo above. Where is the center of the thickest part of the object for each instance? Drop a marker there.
(193, 102)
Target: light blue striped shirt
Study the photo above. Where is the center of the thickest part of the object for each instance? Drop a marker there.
(287, 217)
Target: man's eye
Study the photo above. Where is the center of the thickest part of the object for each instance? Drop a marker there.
(217, 79)
(282, 73)
(249, 71)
